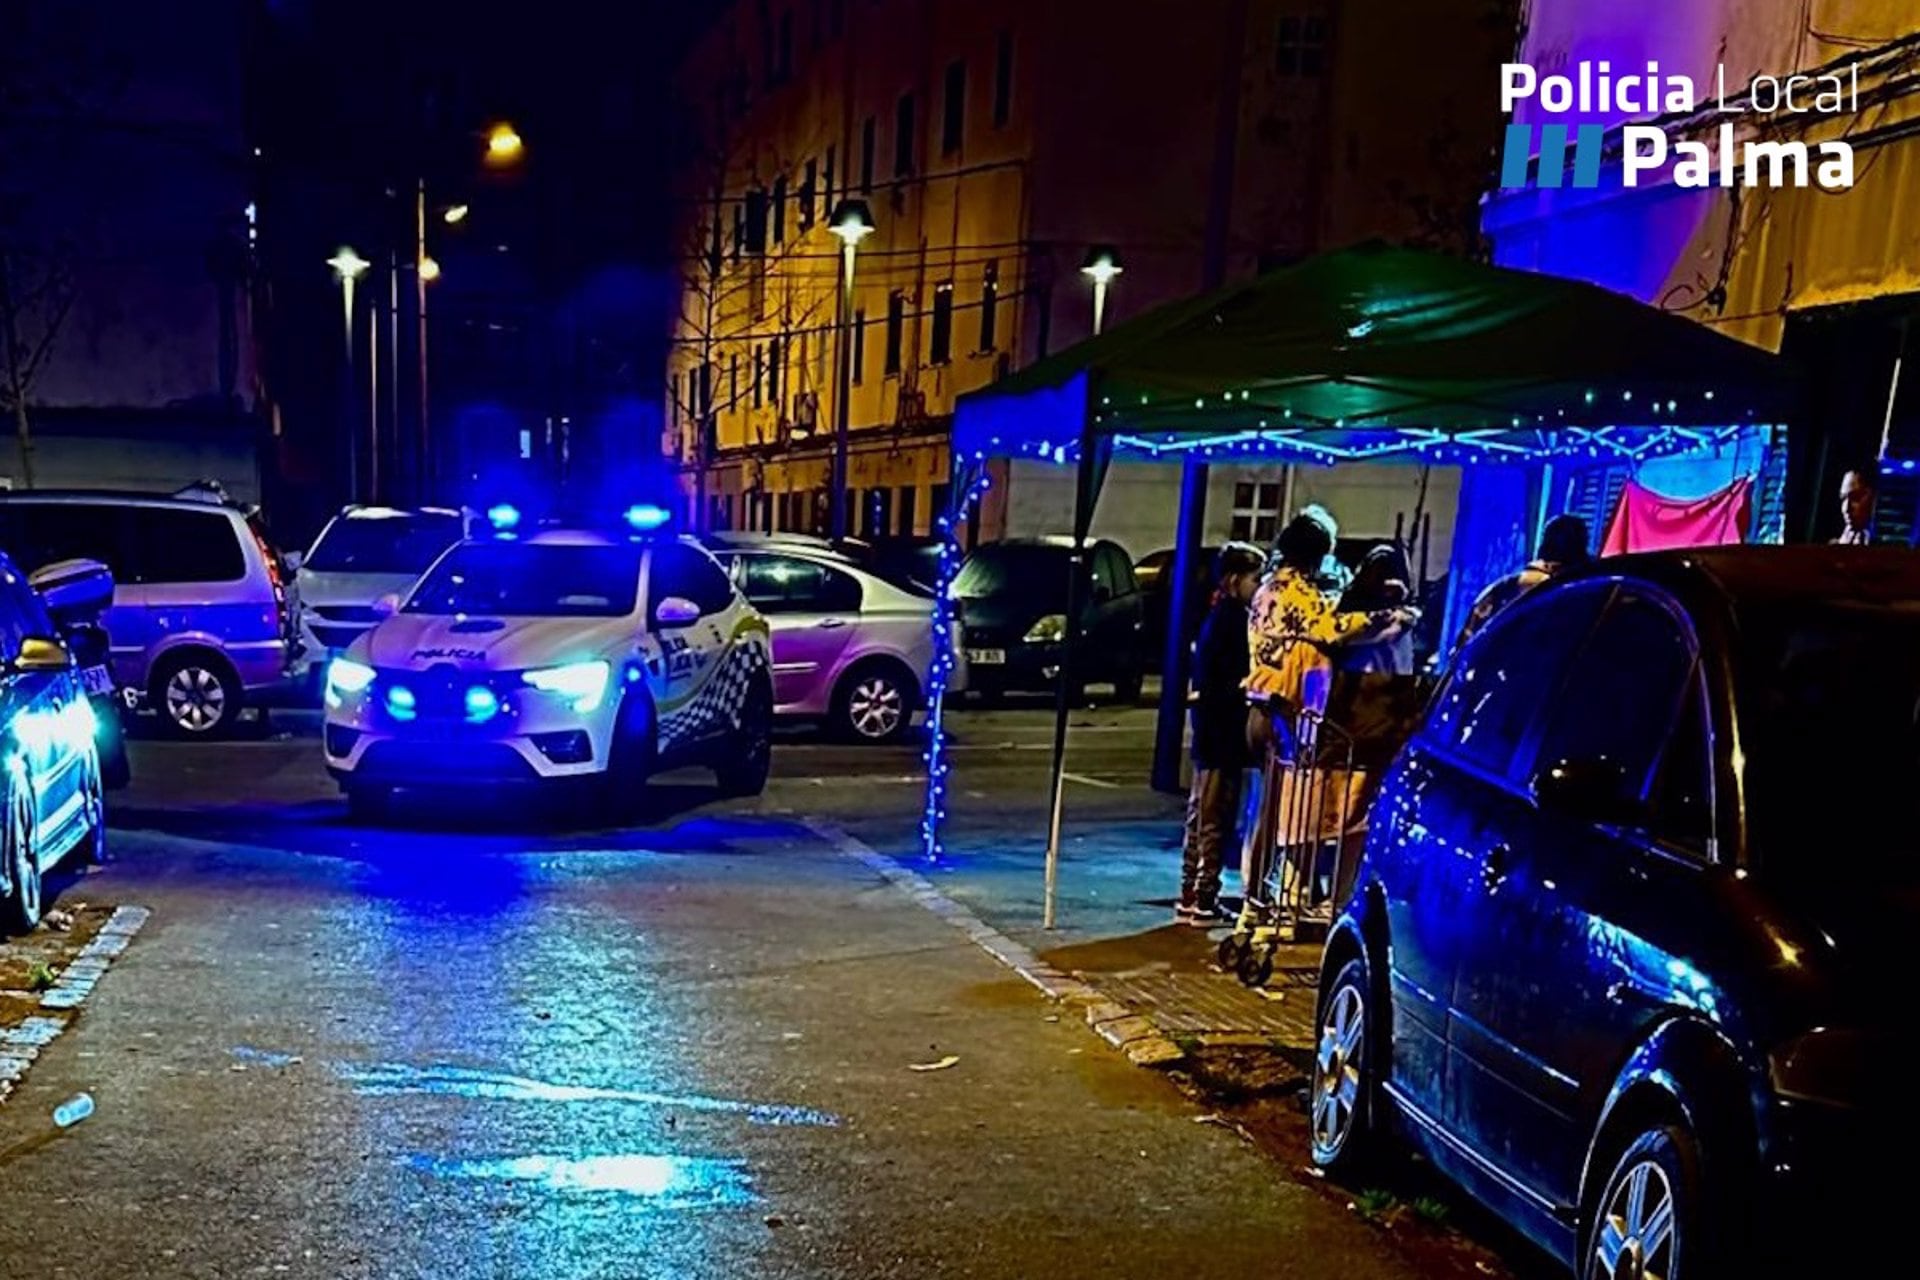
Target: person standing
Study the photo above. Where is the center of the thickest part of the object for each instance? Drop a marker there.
(1859, 495)
(1221, 756)
(1563, 546)
(1382, 583)
(1294, 626)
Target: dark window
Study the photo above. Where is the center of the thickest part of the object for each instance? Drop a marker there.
(858, 335)
(1105, 577)
(1003, 79)
(896, 329)
(1682, 800)
(953, 109)
(776, 371)
(878, 513)
(733, 381)
(903, 137)
(739, 229)
(706, 388)
(812, 176)
(691, 574)
(1621, 693)
(759, 376)
(909, 495)
(170, 545)
(402, 544)
(756, 222)
(940, 343)
(1508, 673)
(780, 210)
(937, 499)
(990, 308)
(714, 252)
(790, 584)
(867, 143)
(1301, 47)
(827, 192)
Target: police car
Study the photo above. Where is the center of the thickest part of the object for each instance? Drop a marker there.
(554, 655)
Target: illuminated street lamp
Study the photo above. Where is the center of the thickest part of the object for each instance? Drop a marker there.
(455, 214)
(504, 145)
(851, 222)
(1101, 266)
(429, 270)
(348, 267)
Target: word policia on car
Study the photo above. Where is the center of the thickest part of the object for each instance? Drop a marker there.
(1646, 149)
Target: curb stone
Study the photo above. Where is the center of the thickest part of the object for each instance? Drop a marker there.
(1132, 1033)
(21, 1044)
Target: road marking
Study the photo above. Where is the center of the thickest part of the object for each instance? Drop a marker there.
(1119, 1027)
(1091, 782)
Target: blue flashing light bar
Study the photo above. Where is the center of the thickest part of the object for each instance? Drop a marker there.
(401, 704)
(482, 704)
(503, 516)
(645, 517)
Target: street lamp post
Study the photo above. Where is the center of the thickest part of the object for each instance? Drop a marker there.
(348, 267)
(1101, 266)
(852, 222)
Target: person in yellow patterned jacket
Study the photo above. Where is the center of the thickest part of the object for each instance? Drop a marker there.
(1292, 625)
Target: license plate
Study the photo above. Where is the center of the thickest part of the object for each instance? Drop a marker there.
(96, 680)
(987, 657)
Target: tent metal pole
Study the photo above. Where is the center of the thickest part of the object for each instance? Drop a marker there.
(1169, 731)
(1084, 499)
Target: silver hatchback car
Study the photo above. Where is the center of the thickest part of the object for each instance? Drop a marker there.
(849, 647)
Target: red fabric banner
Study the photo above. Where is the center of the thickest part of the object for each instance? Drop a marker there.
(1648, 521)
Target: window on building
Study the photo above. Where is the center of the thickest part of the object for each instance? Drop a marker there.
(739, 229)
(940, 341)
(759, 376)
(990, 307)
(733, 381)
(1301, 49)
(1003, 79)
(776, 372)
(756, 222)
(909, 494)
(953, 109)
(878, 521)
(780, 210)
(828, 194)
(809, 177)
(896, 329)
(868, 134)
(706, 388)
(714, 257)
(903, 137)
(859, 351)
(1256, 512)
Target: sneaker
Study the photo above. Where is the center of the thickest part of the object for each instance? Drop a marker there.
(1203, 917)
(1185, 913)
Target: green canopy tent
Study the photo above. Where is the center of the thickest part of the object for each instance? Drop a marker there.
(1374, 353)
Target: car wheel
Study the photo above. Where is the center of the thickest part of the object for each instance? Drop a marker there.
(21, 911)
(1644, 1221)
(1126, 689)
(1340, 1097)
(630, 758)
(93, 847)
(874, 704)
(197, 696)
(748, 761)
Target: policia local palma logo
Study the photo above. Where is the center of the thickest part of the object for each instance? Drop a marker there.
(1645, 149)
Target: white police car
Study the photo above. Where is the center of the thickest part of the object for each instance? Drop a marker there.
(560, 654)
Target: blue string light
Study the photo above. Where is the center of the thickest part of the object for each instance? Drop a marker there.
(945, 658)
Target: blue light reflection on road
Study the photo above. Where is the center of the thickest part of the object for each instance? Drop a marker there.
(666, 1182)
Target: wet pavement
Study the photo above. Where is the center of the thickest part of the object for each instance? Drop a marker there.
(489, 1047)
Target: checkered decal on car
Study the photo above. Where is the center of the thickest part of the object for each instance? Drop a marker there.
(718, 704)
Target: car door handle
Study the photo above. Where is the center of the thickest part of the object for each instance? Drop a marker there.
(830, 624)
(1498, 862)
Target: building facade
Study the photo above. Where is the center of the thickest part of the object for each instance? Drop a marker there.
(1826, 276)
(996, 143)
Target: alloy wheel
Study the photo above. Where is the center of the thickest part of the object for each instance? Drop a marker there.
(1336, 1076)
(1635, 1239)
(196, 700)
(23, 862)
(876, 707)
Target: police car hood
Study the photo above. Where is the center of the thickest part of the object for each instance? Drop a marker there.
(419, 640)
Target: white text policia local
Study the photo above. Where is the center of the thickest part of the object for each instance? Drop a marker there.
(1594, 89)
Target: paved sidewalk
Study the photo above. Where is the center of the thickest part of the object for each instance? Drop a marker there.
(1114, 931)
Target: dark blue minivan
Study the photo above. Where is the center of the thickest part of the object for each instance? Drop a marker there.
(1629, 952)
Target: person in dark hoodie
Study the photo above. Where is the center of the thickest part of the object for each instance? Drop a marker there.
(1563, 546)
(1221, 756)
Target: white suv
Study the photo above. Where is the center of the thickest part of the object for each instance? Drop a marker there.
(563, 655)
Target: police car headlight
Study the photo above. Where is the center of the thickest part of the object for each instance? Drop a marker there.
(582, 684)
(345, 676)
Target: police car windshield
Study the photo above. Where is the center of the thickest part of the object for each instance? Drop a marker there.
(543, 581)
(399, 543)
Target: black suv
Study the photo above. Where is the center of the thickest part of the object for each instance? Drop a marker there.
(1629, 948)
(1012, 602)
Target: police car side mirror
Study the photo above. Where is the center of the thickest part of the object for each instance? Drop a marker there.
(676, 611)
(387, 605)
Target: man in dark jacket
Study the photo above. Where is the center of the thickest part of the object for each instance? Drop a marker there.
(1220, 753)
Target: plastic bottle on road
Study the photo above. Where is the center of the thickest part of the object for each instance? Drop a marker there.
(73, 1111)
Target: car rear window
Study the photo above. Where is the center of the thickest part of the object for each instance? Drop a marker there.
(398, 543)
(1007, 569)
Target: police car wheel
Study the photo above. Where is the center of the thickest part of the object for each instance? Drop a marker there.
(630, 759)
(748, 755)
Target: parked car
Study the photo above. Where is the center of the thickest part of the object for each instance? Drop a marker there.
(77, 595)
(1154, 573)
(558, 657)
(1012, 602)
(199, 622)
(849, 647)
(363, 554)
(52, 800)
(1627, 950)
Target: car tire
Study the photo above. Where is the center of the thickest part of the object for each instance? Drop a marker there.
(1341, 1090)
(875, 702)
(93, 846)
(747, 758)
(196, 695)
(630, 758)
(1650, 1217)
(1127, 687)
(21, 911)
(367, 802)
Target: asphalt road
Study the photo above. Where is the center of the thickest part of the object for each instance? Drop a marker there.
(484, 1045)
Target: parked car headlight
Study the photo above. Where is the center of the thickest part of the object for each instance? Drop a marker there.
(1049, 630)
(582, 684)
(345, 676)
